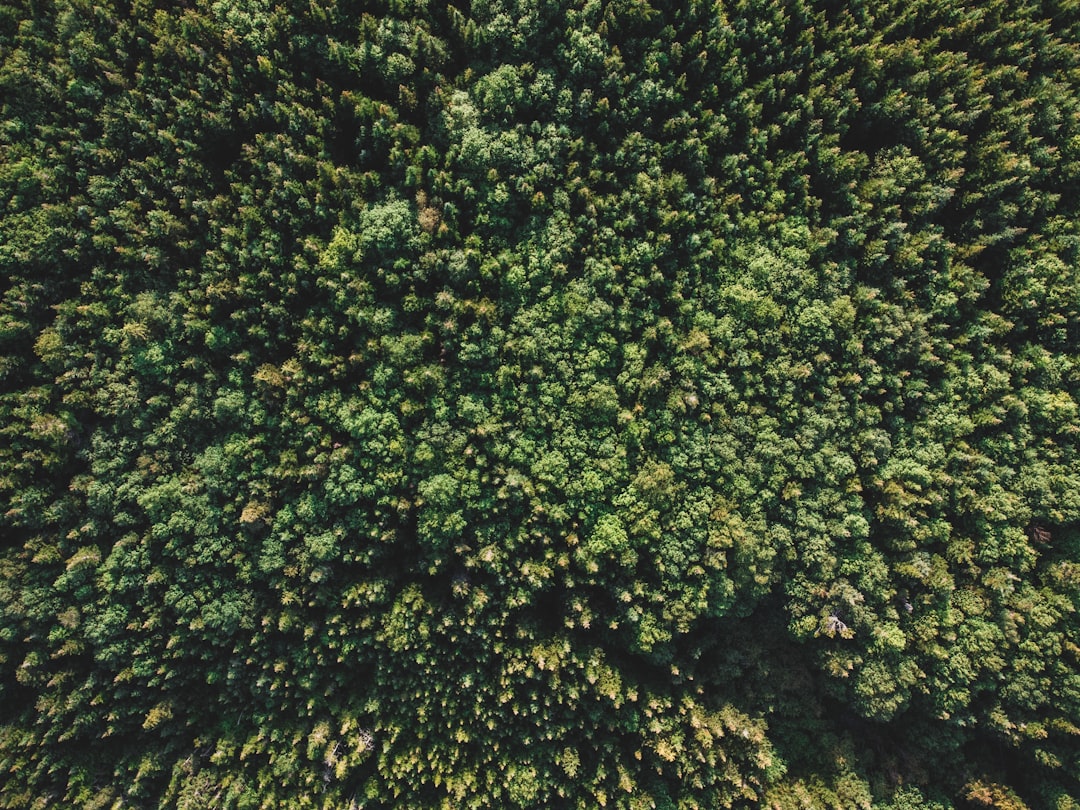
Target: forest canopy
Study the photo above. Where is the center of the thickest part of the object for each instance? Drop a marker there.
(531, 403)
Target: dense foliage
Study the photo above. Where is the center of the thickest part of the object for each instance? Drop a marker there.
(540, 404)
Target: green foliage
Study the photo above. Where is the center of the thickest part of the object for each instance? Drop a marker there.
(539, 404)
